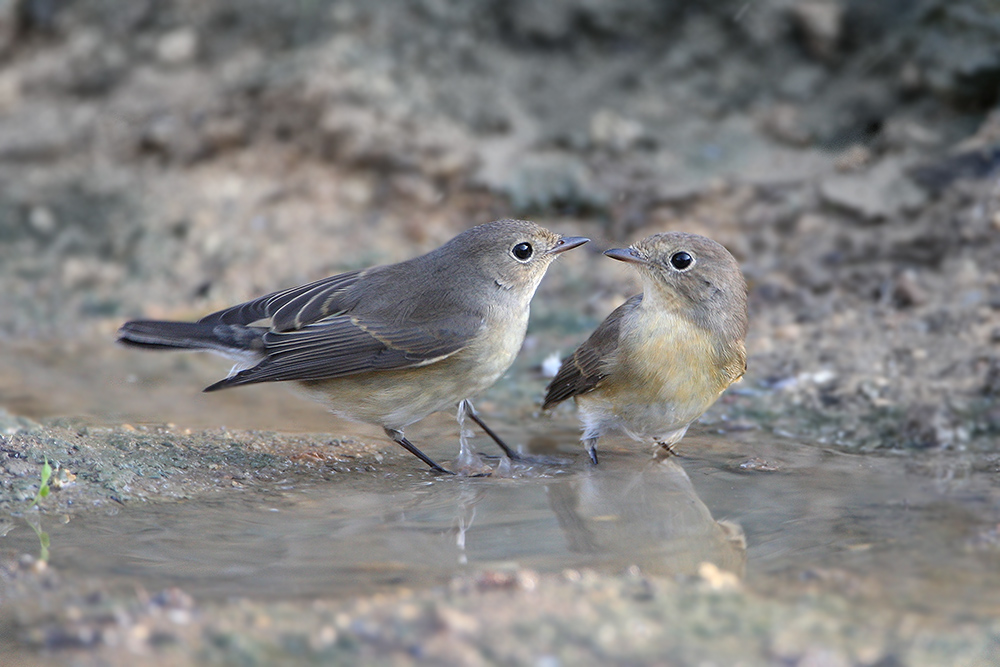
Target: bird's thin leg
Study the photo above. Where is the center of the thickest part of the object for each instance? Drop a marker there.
(669, 448)
(590, 444)
(470, 411)
(400, 439)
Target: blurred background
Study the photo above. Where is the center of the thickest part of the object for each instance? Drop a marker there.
(165, 159)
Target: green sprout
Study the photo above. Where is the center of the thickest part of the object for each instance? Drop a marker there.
(43, 492)
(43, 487)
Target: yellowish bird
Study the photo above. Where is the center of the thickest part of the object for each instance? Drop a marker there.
(666, 355)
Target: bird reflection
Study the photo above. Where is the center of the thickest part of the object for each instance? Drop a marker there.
(648, 516)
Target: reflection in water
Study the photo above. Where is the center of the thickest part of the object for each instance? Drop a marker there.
(652, 514)
(358, 533)
(466, 516)
(34, 521)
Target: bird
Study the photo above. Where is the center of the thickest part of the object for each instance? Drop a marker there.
(386, 345)
(663, 357)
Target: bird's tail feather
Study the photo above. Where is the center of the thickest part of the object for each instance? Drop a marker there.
(229, 340)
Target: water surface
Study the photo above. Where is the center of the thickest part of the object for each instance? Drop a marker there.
(907, 539)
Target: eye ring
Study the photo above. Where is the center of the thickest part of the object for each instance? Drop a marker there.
(522, 252)
(681, 261)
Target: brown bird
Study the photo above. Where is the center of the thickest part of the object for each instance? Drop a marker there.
(386, 345)
(664, 356)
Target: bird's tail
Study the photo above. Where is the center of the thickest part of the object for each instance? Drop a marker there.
(229, 340)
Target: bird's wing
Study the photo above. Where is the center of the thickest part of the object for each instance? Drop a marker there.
(295, 307)
(583, 370)
(350, 323)
(348, 343)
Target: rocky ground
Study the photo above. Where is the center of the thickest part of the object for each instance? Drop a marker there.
(168, 159)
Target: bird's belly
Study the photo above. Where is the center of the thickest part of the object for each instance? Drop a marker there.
(653, 401)
(642, 420)
(394, 399)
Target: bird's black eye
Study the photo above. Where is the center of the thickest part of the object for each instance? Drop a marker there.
(681, 260)
(522, 251)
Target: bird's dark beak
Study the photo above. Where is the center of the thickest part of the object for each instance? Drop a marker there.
(626, 255)
(567, 243)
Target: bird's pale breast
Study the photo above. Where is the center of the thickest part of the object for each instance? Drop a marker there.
(665, 374)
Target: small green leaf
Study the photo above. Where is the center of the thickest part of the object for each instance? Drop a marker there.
(43, 486)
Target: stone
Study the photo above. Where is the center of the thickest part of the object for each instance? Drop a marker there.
(611, 130)
(177, 47)
(877, 193)
(821, 23)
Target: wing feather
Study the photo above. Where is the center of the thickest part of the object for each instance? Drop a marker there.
(343, 345)
(347, 324)
(291, 308)
(584, 370)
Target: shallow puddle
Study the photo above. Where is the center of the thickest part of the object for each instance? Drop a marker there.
(865, 525)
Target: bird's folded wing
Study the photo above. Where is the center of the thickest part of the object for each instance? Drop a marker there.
(292, 308)
(583, 370)
(345, 345)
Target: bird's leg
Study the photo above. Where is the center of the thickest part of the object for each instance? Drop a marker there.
(467, 459)
(668, 447)
(400, 439)
(594, 427)
(470, 411)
